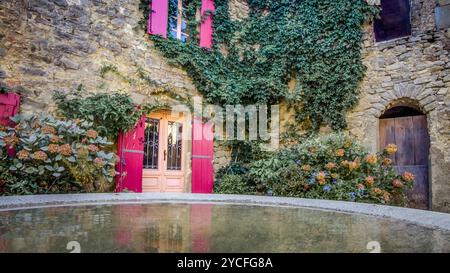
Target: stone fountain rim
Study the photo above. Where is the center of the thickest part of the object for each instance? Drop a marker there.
(429, 219)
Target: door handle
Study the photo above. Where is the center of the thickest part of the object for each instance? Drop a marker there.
(165, 155)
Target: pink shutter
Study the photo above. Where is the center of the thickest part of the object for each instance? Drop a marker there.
(131, 152)
(206, 27)
(202, 157)
(9, 107)
(158, 17)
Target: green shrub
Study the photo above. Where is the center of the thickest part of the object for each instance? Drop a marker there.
(231, 184)
(334, 167)
(108, 112)
(53, 155)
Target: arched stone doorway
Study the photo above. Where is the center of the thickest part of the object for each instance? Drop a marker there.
(405, 125)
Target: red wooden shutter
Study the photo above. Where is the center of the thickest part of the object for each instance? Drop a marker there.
(202, 157)
(158, 17)
(206, 27)
(131, 152)
(9, 106)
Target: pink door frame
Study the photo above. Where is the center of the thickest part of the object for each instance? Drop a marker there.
(131, 152)
(130, 149)
(202, 157)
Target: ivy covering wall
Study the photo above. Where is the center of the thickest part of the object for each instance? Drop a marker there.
(317, 43)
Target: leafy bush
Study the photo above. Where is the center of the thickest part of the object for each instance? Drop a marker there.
(232, 184)
(43, 154)
(335, 167)
(317, 42)
(108, 112)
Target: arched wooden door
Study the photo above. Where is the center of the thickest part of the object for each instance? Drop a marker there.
(410, 134)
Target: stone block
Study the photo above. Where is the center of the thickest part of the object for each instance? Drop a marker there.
(426, 93)
(69, 64)
(443, 16)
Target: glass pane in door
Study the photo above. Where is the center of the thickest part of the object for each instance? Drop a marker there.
(174, 145)
(151, 144)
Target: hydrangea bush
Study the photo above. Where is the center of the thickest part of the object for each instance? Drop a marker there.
(333, 167)
(42, 154)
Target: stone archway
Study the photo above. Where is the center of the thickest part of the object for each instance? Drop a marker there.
(405, 124)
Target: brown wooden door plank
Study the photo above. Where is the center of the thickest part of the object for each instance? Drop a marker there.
(387, 134)
(418, 195)
(410, 134)
(404, 138)
(421, 140)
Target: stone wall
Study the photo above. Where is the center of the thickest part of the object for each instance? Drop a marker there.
(48, 45)
(416, 69)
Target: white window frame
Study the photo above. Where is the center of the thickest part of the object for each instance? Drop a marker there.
(179, 20)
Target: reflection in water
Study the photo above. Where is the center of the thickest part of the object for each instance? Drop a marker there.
(208, 228)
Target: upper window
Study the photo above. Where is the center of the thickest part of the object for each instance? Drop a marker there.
(168, 18)
(394, 22)
(177, 21)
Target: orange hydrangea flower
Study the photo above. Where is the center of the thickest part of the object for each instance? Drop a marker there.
(11, 141)
(397, 183)
(65, 149)
(40, 155)
(377, 191)
(321, 176)
(91, 133)
(408, 177)
(371, 159)
(53, 148)
(370, 181)
(387, 161)
(93, 148)
(23, 154)
(345, 163)
(353, 165)
(386, 196)
(55, 139)
(391, 149)
(112, 172)
(48, 130)
(306, 168)
(340, 152)
(99, 162)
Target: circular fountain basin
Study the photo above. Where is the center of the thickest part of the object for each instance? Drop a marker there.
(213, 223)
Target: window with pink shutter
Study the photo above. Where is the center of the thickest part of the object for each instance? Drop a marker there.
(177, 20)
(168, 18)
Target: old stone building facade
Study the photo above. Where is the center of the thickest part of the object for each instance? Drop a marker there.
(414, 70)
(48, 45)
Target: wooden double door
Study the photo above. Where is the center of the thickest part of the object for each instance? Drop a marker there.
(164, 153)
(410, 134)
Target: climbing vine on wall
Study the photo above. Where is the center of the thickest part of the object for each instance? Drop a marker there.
(316, 43)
